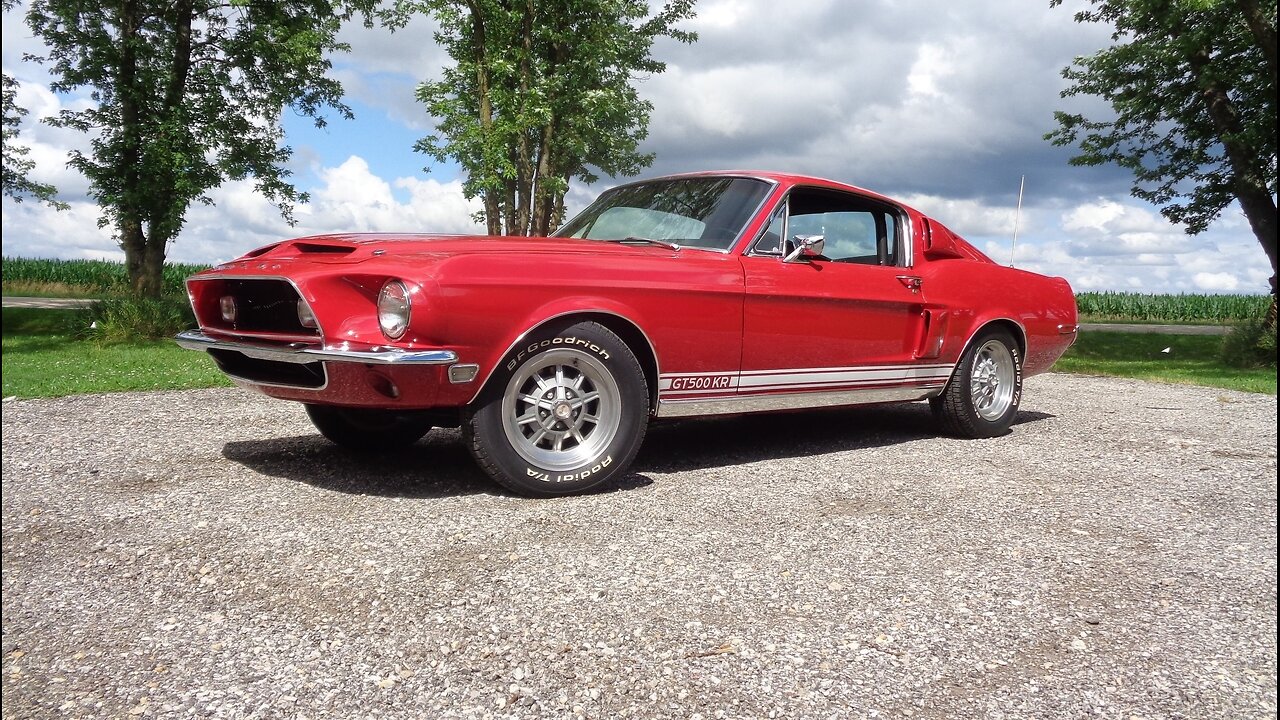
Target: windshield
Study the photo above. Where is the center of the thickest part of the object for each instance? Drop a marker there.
(706, 212)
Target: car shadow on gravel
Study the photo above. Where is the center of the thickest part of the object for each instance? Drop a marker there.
(440, 465)
(712, 442)
(437, 466)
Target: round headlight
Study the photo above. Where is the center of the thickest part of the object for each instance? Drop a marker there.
(393, 309)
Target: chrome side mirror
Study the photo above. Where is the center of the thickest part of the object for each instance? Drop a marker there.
(803, 248)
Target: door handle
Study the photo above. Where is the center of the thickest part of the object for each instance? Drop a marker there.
(911, 282)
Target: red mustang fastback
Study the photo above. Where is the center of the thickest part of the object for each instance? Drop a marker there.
(699, 294)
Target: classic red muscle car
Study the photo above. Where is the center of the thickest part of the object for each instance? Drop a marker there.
(698, 294)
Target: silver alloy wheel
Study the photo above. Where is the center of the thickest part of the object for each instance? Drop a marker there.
(561, 409)
(991, 383)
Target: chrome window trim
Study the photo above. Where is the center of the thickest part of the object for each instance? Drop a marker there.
(771, 184)
(784, 207)
(902, 221)
(303, 353)
(906, 240)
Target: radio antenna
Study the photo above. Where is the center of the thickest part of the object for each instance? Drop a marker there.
(1016, 217)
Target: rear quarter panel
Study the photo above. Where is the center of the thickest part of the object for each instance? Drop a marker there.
(977, 293)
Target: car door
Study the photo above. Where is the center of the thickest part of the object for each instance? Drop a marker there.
(843, 326)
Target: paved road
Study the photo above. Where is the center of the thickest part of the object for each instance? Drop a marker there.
(1164, 329)
(207, 554)
(46, 303)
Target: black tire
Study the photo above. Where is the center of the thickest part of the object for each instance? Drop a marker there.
(982, 397)
(369, 430)
(566, 411)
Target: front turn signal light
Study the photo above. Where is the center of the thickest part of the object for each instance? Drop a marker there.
(306, 318)
(227, 305)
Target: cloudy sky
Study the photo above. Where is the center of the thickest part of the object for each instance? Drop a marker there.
(941, 105)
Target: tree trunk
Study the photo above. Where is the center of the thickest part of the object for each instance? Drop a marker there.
(150, 283)
(129, 222)
(492, 212)
(522, 193)
(557, 211)
(134, 244)
(1265, 34)
(544, 199)
(1250, 186)
(510, 198)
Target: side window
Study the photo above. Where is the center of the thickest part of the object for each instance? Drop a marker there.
(856, 230)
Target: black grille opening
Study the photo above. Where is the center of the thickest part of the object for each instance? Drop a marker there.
(266, 306)
(273, 372)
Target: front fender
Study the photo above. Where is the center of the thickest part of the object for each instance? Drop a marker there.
(560, 309)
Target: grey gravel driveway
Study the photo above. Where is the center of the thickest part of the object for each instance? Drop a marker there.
(206, 554)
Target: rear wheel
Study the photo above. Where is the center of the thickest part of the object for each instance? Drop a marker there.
(982, 397)
(568, 413)
(366, 429)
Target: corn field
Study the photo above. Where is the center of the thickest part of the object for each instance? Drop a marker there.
(1172, 308)
(109, 278)
(91, 275)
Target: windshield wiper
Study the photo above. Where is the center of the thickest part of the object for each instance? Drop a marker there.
(637, 239)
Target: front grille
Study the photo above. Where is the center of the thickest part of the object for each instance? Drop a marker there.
(265, 306)
(271, 372)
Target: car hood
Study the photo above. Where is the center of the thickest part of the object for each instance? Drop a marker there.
(350, 248)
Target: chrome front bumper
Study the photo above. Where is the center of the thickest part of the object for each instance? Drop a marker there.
(303, 353)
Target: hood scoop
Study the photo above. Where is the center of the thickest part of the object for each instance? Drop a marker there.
(323, 248)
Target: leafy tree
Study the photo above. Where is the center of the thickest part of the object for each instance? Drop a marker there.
(541, 92)
(188, 95)
(1192, 84)
(15, 183)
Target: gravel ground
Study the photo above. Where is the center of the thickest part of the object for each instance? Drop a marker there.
(206, 554)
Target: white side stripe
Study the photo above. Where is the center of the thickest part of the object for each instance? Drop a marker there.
(754, 381)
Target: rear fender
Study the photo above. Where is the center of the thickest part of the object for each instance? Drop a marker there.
(1007, 324)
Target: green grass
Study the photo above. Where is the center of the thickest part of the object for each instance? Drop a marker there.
(44, 357)
(1191, 360)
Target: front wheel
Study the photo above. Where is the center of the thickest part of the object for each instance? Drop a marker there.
(369, 430)
(982, 397)
(568, 412)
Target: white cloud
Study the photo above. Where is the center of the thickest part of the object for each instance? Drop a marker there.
(31, 229)
(351, 200)
(933, 64)
(721, 16)
(939, 105)
(1216, 282)
(971, 218)
(1116, 244)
